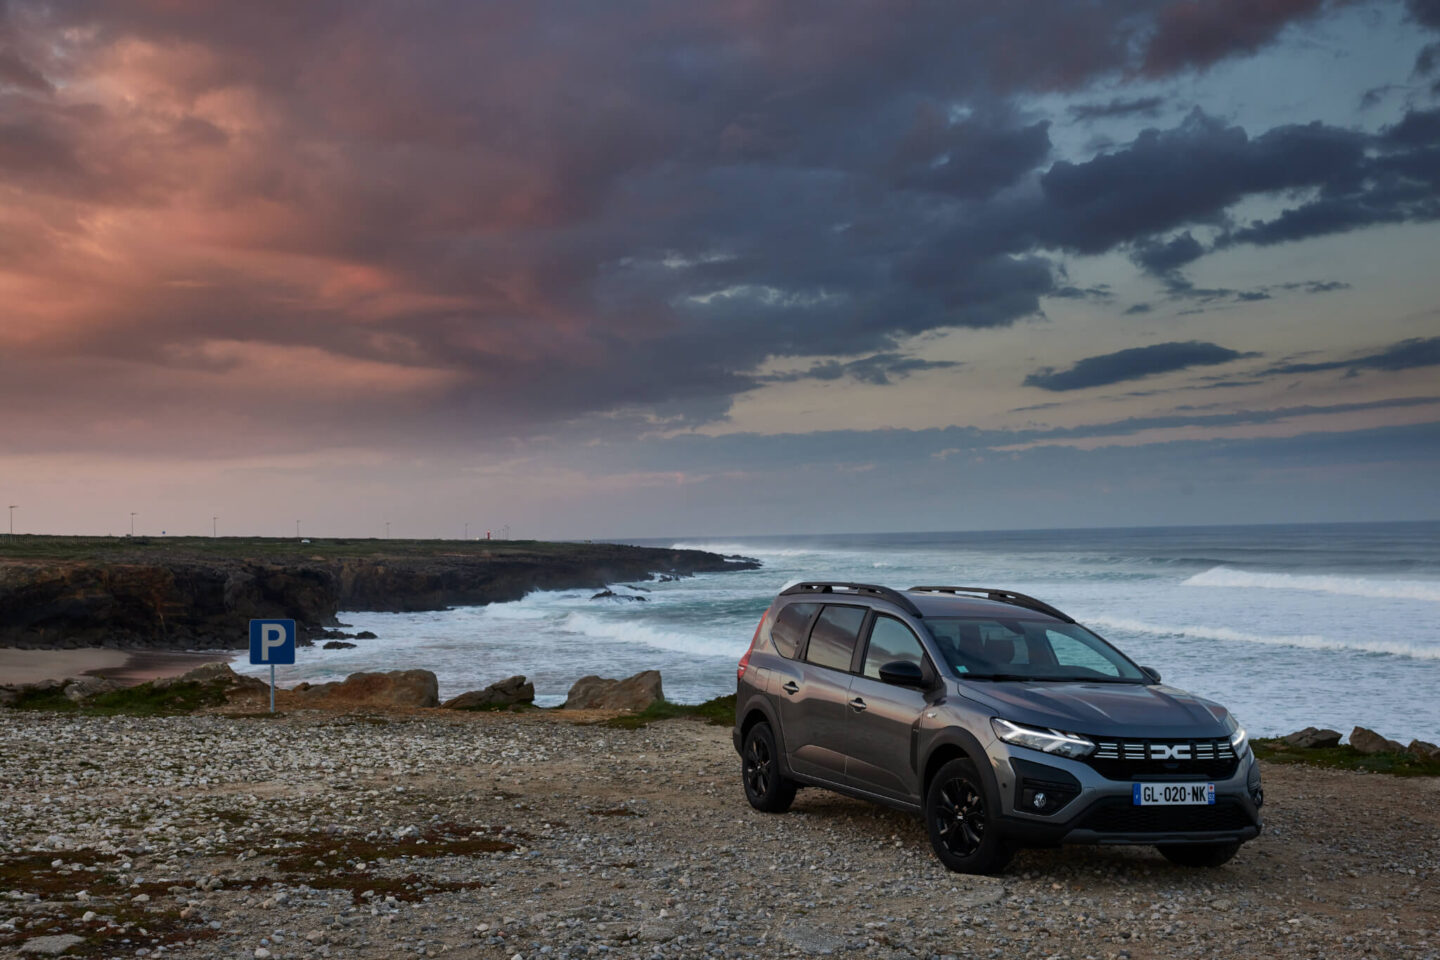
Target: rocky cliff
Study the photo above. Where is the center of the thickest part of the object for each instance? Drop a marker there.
(181, 598)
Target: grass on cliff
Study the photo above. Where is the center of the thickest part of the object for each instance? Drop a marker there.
(1346, 757)
(719, 712)
(143, 700)
(154, 549)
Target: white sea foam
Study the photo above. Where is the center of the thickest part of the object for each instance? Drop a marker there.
(1319, 583)
(1303, 641)
(632, 632)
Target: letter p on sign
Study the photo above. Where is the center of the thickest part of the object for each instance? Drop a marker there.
(272, 642)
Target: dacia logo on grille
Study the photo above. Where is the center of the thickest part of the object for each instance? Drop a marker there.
(1176, 751)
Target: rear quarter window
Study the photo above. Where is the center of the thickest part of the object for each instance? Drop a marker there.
(790, 626)
(832, 640)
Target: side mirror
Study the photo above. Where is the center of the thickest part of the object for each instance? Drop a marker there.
(1152, 673)
(902, 673)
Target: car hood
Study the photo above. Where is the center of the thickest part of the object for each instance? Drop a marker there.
(1102, 709)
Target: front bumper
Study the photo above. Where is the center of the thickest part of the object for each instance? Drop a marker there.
(1101, 810)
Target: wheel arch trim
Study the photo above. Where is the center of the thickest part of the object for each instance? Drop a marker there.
(747, 718)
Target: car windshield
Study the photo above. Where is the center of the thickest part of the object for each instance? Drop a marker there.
(1019, 649)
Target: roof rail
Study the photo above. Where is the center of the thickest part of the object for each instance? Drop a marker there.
(871, 589)
(1003, 596)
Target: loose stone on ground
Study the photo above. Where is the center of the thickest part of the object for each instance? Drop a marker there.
(488, 835)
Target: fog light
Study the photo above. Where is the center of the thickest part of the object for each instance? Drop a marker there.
(1044, 798)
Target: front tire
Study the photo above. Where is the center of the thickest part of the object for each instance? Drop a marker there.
(1198, 854)
(960, 821)
(767, 789)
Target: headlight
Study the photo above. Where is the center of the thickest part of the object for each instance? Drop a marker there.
(1048, 741)
(1238, 740)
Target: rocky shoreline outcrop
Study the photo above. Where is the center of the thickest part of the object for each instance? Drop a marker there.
(174, 599)
(394, 690)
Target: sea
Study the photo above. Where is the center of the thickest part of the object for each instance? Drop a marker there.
(1330, 625)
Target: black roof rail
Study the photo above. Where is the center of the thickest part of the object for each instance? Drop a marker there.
(874, 590)
(1003, 596)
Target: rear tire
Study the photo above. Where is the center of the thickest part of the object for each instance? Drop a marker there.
(767, 789)
(1198, 854)
(960, 821)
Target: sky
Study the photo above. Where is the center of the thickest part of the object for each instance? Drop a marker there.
(647, 269)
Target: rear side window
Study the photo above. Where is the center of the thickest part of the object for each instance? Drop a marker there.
(832, 640)
(790, 626)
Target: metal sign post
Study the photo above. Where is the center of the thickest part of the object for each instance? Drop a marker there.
(272, 642)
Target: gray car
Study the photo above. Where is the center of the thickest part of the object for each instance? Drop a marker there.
(997, 718)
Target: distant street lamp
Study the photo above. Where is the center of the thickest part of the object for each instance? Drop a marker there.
(467, 531)
(387, 529)
(13, 507)
(297, 529)
(133, 515)
(214, 526)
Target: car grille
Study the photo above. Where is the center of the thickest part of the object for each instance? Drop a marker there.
(1120, 816)
(1164, 759)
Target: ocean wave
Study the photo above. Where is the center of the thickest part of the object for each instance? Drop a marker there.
(1318, 583)
(628, 631)
(1303, 641)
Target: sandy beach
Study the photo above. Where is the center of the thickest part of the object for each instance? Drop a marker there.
(124, 666)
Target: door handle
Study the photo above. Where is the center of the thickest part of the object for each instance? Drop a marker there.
(857, 704)
(791, 687)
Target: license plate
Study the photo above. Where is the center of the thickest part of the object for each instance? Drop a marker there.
(1172, 794)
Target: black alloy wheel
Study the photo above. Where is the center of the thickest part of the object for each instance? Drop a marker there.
(959, 821)
(961, 815)
(766, 787)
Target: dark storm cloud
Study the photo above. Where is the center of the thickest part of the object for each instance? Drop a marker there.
(878, 369)
(1405, 355)
(1133, 364)
(480, 218)
(1190, 175)
(1426, 12)
(1162, 257)
(1398, 181)
(969, 159)
(1198, 33)
(17, 73)
(1427, 60)
(1317, 286)
(1140, 106)
(1138, 308)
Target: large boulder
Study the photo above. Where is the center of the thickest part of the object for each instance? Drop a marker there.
(398, 688)
(82, 688)
(1368, 741)
(507, 692)
(1312, 738)
(599, 693)
(1424, 750)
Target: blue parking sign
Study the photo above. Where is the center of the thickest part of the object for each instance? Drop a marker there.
(272, 642)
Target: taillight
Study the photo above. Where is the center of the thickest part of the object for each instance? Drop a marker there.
(745, 660)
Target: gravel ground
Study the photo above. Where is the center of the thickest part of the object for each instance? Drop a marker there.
(491, 835)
